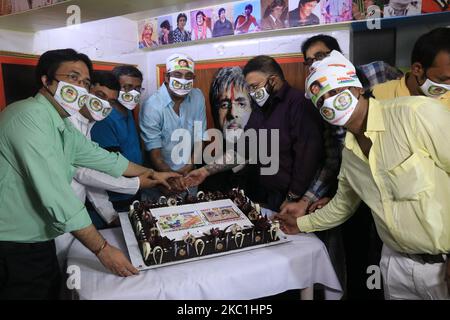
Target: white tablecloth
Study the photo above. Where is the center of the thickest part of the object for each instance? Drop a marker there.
(246, 275)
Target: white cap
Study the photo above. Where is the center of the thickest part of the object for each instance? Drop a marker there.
(178, 61)
(335, 71)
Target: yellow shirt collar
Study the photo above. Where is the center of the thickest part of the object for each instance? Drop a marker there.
(375, 123)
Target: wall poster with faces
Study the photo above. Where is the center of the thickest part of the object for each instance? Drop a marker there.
(148, 33)
(165, 30)
(181, 27)
(249, 16)
(222, 21)
(304, 13)
(400, 8)
(201, 24)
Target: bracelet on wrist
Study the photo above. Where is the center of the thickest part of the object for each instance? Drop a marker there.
(103, 246)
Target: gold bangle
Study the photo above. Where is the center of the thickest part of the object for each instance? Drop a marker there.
(105, 243)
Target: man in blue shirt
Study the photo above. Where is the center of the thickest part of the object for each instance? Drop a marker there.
(118, 131)
(176, 105)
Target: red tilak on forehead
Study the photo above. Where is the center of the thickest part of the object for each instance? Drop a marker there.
(232, 92)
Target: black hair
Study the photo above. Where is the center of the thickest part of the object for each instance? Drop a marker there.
(221, 10)
(277, 3)
(272, 5)
(303, 2)
(165, 24)
(264, 64)
(329, 41)
(429, 45)
(106, 79)
(223, 79)
(181, 15)
(249, 6)
(365, 83)
(200, 13)
(126, 70)
(50, 61)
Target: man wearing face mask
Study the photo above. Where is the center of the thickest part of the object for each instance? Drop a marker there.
(430, 70)
(39, 151)
(176, 105)
(281, 107)
(93, 184)
(285, 109)
(396, 159)
(118, 132)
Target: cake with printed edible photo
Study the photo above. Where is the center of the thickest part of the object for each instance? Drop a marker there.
(176, 228)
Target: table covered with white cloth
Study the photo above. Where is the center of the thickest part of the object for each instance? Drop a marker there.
(252, 274)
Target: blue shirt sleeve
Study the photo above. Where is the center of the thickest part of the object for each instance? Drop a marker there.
(151, 124)
(104, 133)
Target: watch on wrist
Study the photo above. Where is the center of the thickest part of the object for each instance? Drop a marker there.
(292, 197)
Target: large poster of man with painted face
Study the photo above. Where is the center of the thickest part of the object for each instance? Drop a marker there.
(230, 100)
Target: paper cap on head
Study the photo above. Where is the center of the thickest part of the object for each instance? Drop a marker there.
(178, 61)
(335, 71)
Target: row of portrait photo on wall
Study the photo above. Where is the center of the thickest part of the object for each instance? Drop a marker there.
(18, 6)
(243, 17)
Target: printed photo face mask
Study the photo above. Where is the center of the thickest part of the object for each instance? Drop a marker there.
(129, 99)
(98, 108)
(180, 87)
(338, 109)
(260, 96)
(70, 97)
(433, 89)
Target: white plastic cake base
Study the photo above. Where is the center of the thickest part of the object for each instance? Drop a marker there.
(138, 261)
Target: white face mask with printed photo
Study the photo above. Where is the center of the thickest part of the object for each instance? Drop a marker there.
(180, 87)
(98, 108)
(338, 109)
(70, 97)
(260, 96)
(130, 99)
(433, 89)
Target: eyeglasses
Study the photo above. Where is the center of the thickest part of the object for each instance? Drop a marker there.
(317, 57)
(180, 75)
(128, 88)
(254, 87)
(75, 77)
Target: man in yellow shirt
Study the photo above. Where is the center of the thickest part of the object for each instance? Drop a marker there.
(397, 160)
(430, 70)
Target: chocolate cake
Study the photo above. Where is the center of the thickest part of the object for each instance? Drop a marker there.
(157, 248)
